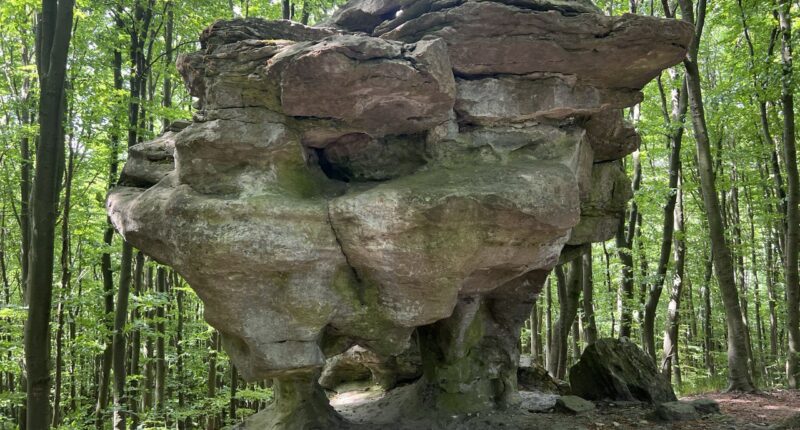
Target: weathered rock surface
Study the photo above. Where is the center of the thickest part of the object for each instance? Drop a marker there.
(685, 411)
(413, 168)
(573, 405)
(533, 377)
(617, 369)
(360, 364)
(487, 38)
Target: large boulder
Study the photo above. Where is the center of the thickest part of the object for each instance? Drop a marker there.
(408, 173)
(617, 369)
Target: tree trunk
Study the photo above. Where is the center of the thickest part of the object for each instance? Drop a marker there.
(569, 291)
(286, 9)
(548, 322)
(119, 344)
(624, 241)
(52, 42)
(793, 199)
(708, 334)
(161, 368)
(105, 266)
(211, 381)
(738, 374)
(136, 342)
(674, 123)
(671, 330)
(65, 286)
(179, 348)
(589, 325)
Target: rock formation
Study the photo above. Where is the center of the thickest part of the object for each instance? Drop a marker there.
(617, 369)
(408, 167)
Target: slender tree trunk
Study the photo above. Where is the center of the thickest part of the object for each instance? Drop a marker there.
(708, 334)
(624, 241)
(136, 343)
(286, 9)
(119, 344)
(52, 42)
(569, 291)
(105, 266)
(576, 342)
(589, 325)
(179, 347)
(671, 330)
(673, 122)
(738, 374)
(792, 242)
(548, 322)
(234, 387)
(211, 381)
(740, 269)
(534, 337)
(161, 368)
(65, 286)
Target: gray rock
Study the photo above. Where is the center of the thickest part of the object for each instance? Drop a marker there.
(534, 401)
(518, 99)
(573, 405)
(603, 205)
(617, 369)
(613, 52)
(706, 406)
(337, 189)
(675, 411)
(360, 364)
(534, 377)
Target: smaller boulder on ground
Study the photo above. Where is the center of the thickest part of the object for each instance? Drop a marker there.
(617, 369)
(685, 411)
(573, 405)
(531, 376)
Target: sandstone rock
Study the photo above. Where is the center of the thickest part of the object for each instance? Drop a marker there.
(602, 209)
(613, 52)
(372, 85)
(517, 99)
(611, 136)
(149, 162)
(337, 189)
(361, 364)
(617, 369)
(366, 15)
(534, 401)
(534, 377)
(573, 405)
(675, 411)
(706, 406)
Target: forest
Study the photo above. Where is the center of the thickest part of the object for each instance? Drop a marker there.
(702, 274)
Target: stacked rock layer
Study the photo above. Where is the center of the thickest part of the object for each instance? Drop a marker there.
(408, 167)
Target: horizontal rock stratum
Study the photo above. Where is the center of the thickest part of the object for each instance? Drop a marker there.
(406, 171)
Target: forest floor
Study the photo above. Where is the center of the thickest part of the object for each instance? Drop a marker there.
(374, 409)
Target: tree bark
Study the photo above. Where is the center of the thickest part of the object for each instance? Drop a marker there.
(119, 343)
(670, 360)
(793, 199)
(52, 42)
(674, 123)
(624, 241)
(589, 324)
(569, 291)
(65, 286)
(738, 375)
(161, 368)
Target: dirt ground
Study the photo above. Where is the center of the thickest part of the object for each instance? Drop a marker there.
(369, 409)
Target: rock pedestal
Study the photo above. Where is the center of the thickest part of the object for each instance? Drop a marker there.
(409, 166)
